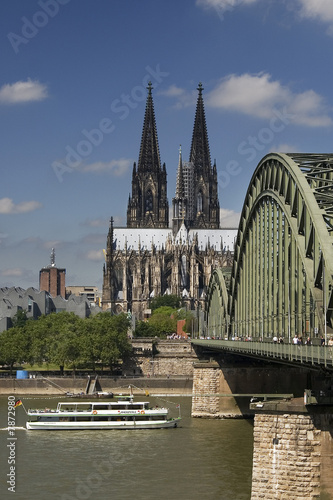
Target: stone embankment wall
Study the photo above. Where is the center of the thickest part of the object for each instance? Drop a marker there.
(59, 386)
(156, 357)
(292, 456)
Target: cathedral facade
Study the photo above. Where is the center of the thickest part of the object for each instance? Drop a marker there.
(148, 258)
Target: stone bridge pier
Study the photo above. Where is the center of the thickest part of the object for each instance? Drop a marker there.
(293, 451)
(293, 447)
(223, 387)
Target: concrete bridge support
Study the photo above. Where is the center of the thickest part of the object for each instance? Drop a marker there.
(293, 451)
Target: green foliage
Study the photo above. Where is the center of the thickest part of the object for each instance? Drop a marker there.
(20, 318)
(64, 342)
(39, 340)
(14, 346)
(166, 311)
(162, 322)
(172, 301)
(144, 329)
(65, 339)
(113, 339)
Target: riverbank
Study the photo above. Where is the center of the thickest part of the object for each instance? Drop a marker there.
(61, 385)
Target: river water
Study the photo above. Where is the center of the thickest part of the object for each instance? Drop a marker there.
(201, 459)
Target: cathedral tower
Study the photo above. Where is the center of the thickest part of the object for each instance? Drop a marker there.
(142, 264)
(148, 205)
(197, 199)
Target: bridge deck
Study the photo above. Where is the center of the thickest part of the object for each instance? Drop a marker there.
(320, 356)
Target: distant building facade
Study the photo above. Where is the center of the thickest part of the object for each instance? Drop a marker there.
(90, 292)
(35, 303)
(148, 258)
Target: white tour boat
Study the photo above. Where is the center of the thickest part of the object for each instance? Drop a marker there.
(121, 414)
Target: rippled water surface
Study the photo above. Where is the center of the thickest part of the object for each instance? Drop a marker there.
(202, 459)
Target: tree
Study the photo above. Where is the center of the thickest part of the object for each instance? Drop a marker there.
(38, 334)
(113, 338)
(14, 347)
(64, 338)
(163, 323)
(90, 344)
(144, 329)
(20, 318)
(172, 301)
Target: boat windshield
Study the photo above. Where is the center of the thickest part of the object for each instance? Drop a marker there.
(91, 406)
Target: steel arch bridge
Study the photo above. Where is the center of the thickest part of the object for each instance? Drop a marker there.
(217, 303)
(281, 282)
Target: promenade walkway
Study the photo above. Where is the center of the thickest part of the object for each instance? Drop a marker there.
(316, 355)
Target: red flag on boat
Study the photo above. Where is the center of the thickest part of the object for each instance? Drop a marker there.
(17, 403)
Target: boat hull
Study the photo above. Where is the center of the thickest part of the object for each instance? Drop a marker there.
(77, 426)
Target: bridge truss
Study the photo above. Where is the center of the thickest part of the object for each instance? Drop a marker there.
(217, 304)
(282, 274)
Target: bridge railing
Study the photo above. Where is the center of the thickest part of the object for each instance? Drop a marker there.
(310, 354)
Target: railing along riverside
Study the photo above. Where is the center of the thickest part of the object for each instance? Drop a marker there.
(313, 354)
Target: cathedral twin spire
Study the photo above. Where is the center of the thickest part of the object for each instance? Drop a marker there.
(148, 206)
(149, 157)
(200, 154)
(196, 201)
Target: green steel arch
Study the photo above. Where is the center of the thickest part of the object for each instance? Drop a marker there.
(217, 306)
(282, 274)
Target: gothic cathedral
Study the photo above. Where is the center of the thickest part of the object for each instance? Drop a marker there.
(148, 258)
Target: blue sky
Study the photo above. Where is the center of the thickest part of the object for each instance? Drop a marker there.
(72, 99)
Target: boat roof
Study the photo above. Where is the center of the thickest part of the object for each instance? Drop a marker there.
(99, 403)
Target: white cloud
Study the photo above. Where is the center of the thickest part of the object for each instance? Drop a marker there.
(229, 218)
(95, 255)
(17, 276)
(258, 95)
(309, 109)
(21, 92)
(284, 148)
(184, 98)
(320, 10)
(317, 9)
(172, 91)
(102, 222)
(7, 206)
(17, 271)
(52, 244)
(223, 5)
(114, 167)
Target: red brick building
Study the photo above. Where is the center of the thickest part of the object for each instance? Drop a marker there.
(52, 279)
